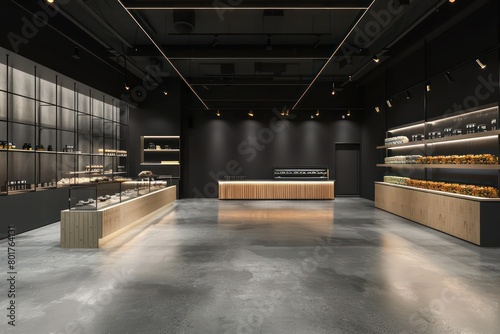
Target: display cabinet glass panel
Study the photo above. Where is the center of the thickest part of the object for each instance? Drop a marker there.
(101, 195)
(313, 173)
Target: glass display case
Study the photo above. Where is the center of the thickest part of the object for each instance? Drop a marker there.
(290, 173)
(104, 194)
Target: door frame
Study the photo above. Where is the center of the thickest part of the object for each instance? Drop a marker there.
(335, 144)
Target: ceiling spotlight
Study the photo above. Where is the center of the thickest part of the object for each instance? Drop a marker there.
(317, 113)
(333, 88)
(343, 116)
(127, 87)
(165, 93)
(76, 52)
(428, 87)
(408, 95)
(389, 104)
(350, 78)
(312, 116)
(250, 113)
(483, 66)
(287, 112)
(50, 1)
(348, 113)
(376, 59)
(217, 113)
(282, 113)
(377, 109)
(451, 1)
(448, 77)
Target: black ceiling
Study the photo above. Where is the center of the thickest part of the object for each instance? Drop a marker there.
(242, 54)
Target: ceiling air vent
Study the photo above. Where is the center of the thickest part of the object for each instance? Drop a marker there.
(184, 21)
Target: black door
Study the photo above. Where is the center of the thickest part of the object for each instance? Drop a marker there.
(347, 163)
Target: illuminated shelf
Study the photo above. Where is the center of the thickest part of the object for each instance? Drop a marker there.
(493, 133)
(173, 163)
(162, 150)
(448, 166)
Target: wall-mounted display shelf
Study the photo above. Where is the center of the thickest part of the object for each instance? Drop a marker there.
(162, 152)
(471, 142)
(51, 128)
(316, 173)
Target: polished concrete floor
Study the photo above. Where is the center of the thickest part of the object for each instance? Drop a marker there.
(208, 266)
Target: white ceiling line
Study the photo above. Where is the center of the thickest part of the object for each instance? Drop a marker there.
(164, 55)
(247, 8)
(331, 57)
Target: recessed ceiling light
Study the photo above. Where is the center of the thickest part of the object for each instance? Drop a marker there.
(376, 59)
(250, 113)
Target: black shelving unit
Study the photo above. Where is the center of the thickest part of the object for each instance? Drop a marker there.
(67, 127)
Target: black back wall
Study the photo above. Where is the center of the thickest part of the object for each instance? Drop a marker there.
(236, 144)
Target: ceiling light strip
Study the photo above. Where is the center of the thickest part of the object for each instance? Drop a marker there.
(333, 55)
(228, 7)
(163, 54)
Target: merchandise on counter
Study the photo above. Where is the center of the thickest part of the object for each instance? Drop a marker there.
(152, 146)
(145, 173)
(402, 159)
(27, 146)
(417, 137)
(482, 128)
(396, 180)
(448, 132)
(456, 188)
(494, 124)
(49, 148)
(167, 147)
(470, 128)
(457, 132)
(396, 140)
(471, 159)
(39, 147)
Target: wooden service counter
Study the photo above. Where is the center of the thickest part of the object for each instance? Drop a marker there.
(470, 218)
(91, 229)
(276, 189)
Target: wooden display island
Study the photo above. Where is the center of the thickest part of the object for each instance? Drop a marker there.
(91, 229)
(470, 218)
(276, 190)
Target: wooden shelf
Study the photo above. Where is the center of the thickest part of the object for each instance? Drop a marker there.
(443, 139)
(159, 164)
(437, 166)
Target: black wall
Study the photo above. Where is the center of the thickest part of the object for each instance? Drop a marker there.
(158, 115)
(448, 41)
(236, 144)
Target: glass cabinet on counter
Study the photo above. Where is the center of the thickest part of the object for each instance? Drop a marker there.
(104, 194)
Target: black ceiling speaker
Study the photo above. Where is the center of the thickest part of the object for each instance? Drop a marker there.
(184, 21)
